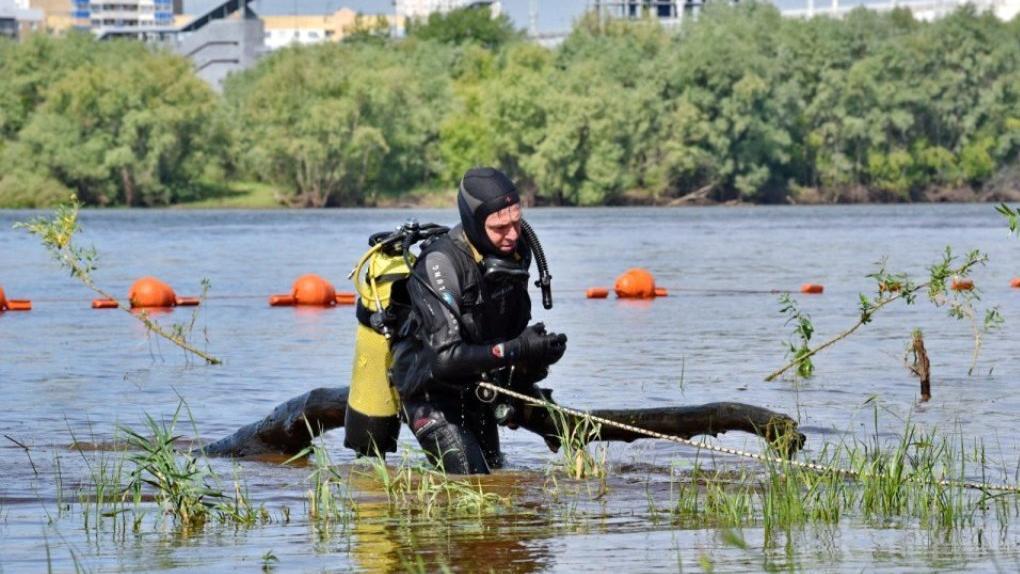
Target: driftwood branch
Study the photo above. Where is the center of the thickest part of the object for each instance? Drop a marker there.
(285, 430)
(685, 422)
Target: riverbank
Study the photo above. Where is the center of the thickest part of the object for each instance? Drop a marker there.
(78, 375)
(250, 195)
(258, 195)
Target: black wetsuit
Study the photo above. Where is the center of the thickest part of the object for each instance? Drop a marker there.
(449, 347)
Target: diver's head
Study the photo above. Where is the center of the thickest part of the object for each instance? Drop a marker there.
(490, 211)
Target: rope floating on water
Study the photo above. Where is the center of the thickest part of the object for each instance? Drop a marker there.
(849, 473)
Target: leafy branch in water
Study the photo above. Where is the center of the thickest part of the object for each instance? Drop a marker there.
(57, 236)
(1012, 217)
(898, 286)
(803, 329)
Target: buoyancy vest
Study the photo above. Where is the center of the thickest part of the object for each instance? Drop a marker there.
(489, 311)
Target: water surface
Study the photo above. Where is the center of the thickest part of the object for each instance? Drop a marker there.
(68, 373)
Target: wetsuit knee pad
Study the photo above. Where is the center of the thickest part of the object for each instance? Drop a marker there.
(449, 446)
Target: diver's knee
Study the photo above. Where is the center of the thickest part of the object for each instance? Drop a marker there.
(448, 446)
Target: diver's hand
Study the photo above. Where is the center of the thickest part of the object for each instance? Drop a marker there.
(535, 346)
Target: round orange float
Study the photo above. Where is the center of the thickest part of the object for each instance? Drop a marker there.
(812, 288)
(309, 290)
(1015, 283)
(637, 283)
(151, 292)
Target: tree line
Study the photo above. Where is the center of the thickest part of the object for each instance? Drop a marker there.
(739, 104)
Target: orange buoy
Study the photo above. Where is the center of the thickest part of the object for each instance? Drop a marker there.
(104, 304)
(812, 288)
(635, 283)
(13, 304)
(962, 284)
(151, 292)
(1015, 283)
(346, 298)
(597, 293)
(308, 290)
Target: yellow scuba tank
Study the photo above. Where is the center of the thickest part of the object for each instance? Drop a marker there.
(372, 423)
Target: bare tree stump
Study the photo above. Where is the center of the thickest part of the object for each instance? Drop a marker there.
(921, 366)
(286, 429)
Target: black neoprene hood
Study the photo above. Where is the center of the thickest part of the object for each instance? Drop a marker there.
(484, 191)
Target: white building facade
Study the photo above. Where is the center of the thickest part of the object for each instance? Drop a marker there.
(422, 8)
(100, 15)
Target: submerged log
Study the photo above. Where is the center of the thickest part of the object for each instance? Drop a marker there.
(685, 422)
(286, 429)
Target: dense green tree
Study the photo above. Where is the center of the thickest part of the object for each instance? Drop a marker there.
(473, 24)
(122, 125)
(739, 103)
(338, 124)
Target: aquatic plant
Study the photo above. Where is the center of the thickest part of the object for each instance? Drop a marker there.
(803, 330)
(418, 488)
(57, 235)
(892, 287)
(574, 435)
(918, 479)
(269, 561)
(180, 481)
(1012, 217)
(329, 502)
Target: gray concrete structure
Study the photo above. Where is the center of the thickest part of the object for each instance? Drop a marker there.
(17, 19)
(221, 47)
(228, 37)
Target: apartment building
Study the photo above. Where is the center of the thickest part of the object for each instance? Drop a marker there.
(18, 18)
(99, 15)
(289, 30)
(422, 8)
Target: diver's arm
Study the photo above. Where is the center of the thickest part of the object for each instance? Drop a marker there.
(454, 357)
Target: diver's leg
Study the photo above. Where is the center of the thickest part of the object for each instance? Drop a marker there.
(480, 421)
(447, 445)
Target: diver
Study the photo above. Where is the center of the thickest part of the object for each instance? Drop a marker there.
(469, 318)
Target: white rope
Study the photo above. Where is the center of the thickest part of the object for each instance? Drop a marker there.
(735, 452)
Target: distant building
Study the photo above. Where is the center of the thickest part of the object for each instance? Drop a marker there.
(422, 8)
(669, 12)
(57, 15)
(101, 15)
(312, 29)
(17, 18)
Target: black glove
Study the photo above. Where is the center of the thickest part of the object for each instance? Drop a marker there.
(535, 347)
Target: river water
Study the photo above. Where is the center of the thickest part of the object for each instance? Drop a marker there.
(69, 373)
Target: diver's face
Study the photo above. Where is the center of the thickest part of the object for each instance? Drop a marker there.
(504, 228)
